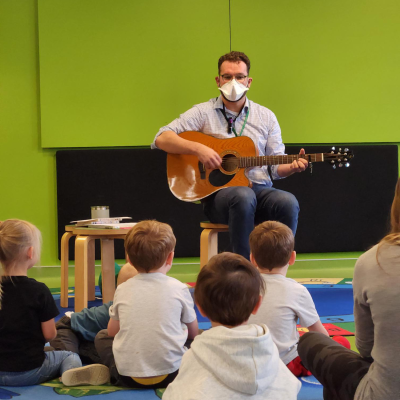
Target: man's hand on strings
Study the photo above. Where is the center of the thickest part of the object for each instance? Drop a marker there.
(299, 165)
(208, 157)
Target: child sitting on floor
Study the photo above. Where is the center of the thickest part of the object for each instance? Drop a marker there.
(152, 315)
(232, 360)
(285, 301)
(27, 311)
(76, 331)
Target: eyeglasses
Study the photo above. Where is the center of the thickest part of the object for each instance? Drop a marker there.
(239, 78)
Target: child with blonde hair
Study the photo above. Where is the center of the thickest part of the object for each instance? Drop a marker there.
(152, 315)
(285, 300)
(27, 312)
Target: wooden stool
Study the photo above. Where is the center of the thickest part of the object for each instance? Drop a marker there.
(85, 263)
(64, 265)
(209, 240)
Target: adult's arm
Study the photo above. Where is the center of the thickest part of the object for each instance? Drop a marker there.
(362, 312)
(170, 142)
(168, 138)
(275, 146)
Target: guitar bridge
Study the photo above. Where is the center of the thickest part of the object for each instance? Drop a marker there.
(202, 170)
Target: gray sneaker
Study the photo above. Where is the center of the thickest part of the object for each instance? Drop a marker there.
(95, 374)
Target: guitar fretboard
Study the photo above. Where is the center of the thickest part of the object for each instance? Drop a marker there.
(258, 161)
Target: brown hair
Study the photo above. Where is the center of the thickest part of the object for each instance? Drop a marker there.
(393, 238)
(148, 244)
(271, 244)
(228, 289)
(234, 56)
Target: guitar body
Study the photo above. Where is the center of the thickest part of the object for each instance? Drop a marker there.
(189, 181)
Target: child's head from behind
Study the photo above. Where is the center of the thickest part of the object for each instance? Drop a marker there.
(20, 241)
(148, 245)
(228, 289)
(271, 245)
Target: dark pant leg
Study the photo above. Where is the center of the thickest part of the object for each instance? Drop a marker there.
(88, 352)
(338, 369)
(277, 205)
(235, 206)
(66, 338)
(69, 340)
(103, 344)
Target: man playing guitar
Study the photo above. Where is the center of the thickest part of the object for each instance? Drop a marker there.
(229, 115)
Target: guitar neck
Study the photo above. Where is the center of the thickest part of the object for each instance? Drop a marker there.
(258, 161)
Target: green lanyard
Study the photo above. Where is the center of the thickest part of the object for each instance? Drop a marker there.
(244, 124)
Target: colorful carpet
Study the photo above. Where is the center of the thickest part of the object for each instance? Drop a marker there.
(334, 302)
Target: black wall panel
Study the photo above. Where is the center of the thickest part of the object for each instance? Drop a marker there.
(346, 209)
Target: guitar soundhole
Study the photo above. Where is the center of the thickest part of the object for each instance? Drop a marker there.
(229, 163)
(217, 177)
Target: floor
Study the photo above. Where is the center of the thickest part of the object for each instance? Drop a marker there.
(316, 265)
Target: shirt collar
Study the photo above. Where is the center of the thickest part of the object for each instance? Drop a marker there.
(219, 104)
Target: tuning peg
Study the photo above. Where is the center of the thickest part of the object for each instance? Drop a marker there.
(334, 166)
(333, 162)
(347, 164)
(339, 159)
(340, 165)
(346, 149)
(340, 149)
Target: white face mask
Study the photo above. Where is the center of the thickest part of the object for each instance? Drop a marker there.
(233, 90)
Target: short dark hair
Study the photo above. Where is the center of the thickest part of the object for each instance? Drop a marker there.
(228, 289)
(148, 244)
(234, 56)
(271, 244)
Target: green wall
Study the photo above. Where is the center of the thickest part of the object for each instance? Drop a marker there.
(28, 180)
(113, 72)
(329, 70)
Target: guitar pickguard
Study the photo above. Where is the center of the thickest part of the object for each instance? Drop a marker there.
(218, 178)
(229, 167)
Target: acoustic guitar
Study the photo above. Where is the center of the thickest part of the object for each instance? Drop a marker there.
(189, 180)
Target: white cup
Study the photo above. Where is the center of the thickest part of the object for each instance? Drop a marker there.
(100, 212)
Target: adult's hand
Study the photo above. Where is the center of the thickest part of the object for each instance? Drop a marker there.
(299, 165)
(209, 157)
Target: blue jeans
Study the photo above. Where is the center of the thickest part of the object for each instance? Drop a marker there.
(242, 207)
(54, 365)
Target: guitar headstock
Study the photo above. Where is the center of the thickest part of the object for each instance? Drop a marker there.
(340, 157)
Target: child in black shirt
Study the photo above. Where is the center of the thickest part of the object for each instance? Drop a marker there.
(27, 312)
